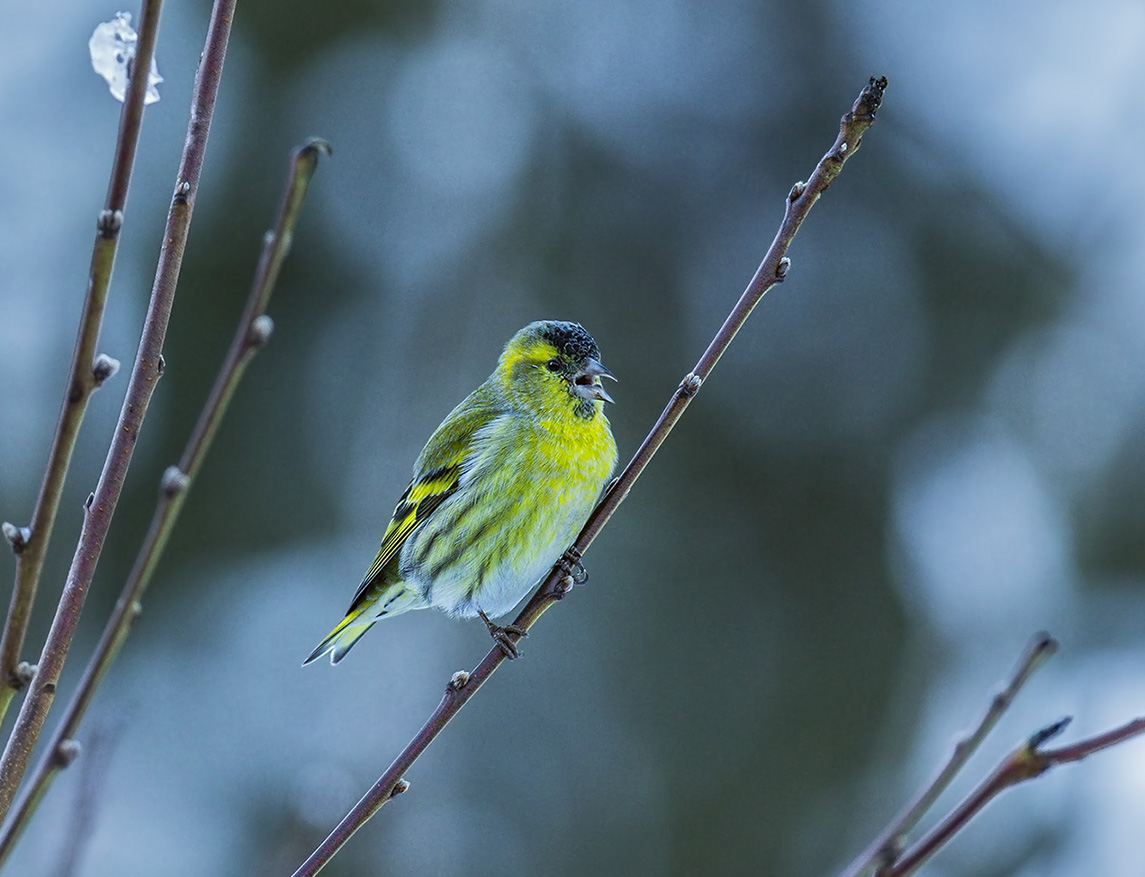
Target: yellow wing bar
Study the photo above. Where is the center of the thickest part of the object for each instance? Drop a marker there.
(423, 495)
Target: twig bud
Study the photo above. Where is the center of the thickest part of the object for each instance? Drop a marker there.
(160, 366)
(890, 853)
(315, 145)
(109, 222)
(1043, 643)
(459, 680)
(399, 787)
(25, 673)
(103, 368)
(182, 190)
(174, 481)
(797, 191)
(691, 384)
(1048, 733)
(261, 328)
(782, 268)
(18, 537)
(66, 752)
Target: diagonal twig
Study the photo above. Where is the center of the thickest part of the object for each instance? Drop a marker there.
(253, 332)
(31, 543)
(772, 270)
(886, 847)
(145, 373)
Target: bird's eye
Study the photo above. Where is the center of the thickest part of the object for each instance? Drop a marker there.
(553, 365)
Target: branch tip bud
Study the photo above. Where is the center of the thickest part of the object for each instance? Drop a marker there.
(316, 145)
(18, 537)
(1047, 733)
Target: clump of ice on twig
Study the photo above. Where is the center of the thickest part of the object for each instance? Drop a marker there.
(112, 46)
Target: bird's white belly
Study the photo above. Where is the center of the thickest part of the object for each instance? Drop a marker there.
(502, 588)
(524, 548)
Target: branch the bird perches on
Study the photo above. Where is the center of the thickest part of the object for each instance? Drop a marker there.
(772, 270)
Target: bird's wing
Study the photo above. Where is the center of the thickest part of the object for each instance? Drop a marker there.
(438, 473)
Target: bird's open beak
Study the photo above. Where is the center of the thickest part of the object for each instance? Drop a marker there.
(586, 384)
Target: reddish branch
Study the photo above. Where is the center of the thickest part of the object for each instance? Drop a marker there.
(148, 367)
(1027, 762)
(31, 543)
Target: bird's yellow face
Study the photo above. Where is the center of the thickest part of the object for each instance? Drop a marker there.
(554, 367)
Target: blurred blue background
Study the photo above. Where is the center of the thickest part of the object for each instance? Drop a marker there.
(924, 446)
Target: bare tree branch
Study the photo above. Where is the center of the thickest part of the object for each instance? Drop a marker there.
(772, 270)
(885, 856)
(31, 543)
(253, 332)
(145, 374)
(887, 846)
(1026, 762)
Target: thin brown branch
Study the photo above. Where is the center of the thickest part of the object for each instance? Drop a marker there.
(772, 270)
(1026, 762)
(251, 335)
(144, 375)
(31, 542)
(887, 846)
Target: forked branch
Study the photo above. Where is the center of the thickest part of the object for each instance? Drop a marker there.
(885, 856)
(1026, 762)
(888, 845)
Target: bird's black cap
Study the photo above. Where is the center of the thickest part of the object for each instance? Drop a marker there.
(570, 339)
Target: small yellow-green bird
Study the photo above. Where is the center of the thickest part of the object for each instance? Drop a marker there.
(499, 492)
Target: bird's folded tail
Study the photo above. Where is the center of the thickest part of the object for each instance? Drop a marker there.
(392, 600)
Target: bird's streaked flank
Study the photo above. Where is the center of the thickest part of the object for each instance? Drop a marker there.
(499, 492)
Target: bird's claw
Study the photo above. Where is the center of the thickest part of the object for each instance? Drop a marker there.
(571, 564)
(501, 635)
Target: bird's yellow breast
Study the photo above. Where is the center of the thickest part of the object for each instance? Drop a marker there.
(533, 487)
